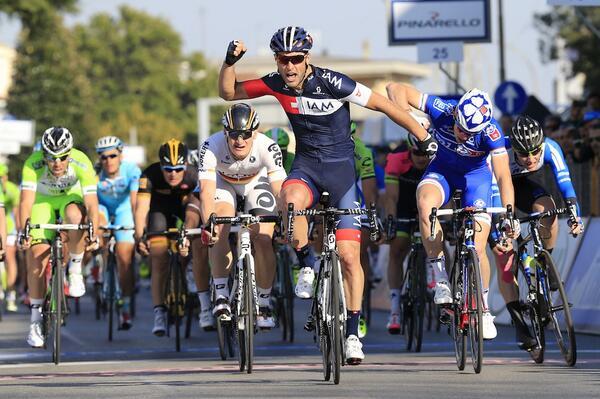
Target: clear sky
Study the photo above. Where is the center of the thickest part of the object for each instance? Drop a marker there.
(340, 26)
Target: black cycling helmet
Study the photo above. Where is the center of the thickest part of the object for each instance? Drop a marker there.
(240, 117)
(57, 141)
(173, 153)
(291, 38)
(526, 135)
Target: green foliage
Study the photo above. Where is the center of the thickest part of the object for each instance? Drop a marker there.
(581, 43)
(35, 13)
(48, 83)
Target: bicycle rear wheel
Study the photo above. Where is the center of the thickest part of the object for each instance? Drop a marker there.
(249, 315)
(474, 302)
(336, 322)
(456, 324)
(559, 310)
(531, 313)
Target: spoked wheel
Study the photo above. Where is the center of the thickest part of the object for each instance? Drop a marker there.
(419, 299)
(336, 326)
(474, 306)
(56, 310)
(249, 315)
(559, 310)
(531, 314)
(456, 313)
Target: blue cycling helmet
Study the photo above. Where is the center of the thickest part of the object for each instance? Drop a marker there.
(474, 110)
(291, 38)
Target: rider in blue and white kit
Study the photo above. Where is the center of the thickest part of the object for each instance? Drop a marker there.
(118, 184)
(528, 152)
(466, 134)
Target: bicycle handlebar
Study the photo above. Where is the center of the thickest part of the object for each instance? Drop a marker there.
(468, 210)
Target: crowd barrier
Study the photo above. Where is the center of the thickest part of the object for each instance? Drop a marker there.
(578, 260)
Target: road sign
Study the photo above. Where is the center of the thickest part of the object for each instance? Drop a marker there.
(415, 21)
(510, 97)
(440, 52)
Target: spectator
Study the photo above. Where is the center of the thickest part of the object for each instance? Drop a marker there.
(593, 102)
(552, 124)
(582, 146)
(576, 113)
(565, 138)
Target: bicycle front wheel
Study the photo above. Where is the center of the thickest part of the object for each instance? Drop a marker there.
(559, 310)
(530, 308)
(457, 324)
(337, 315)
(419, 290)
(474, 301)
(56, 308)
(249, 314)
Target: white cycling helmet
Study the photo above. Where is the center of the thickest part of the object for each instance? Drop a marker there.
(107, 143)
(57, 141)
(474, 110)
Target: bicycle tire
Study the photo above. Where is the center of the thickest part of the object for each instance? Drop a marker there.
(408, 322)
(177, 305)
(237, 306)
(221, 331)
(457, 333)
(559, 311)
(336, 315)
(475, 308)
(421, 298)
(288, 297)
(110, 276)
(531, 313)
(322, 331)
(58, 298)
(250, 316)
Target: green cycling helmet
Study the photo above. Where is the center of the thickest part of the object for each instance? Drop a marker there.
(280, 136)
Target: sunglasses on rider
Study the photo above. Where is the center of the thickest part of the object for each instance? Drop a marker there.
(529, 153)
(109, 156)
(176, 169)
(234, 134)
(294, 59)
(51, 158)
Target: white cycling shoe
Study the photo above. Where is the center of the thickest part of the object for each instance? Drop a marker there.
(206, 320)
(76, 285)
(489, 329)
(265, 319)
(160, 322)
(354, 352)
(442, 293)
(304, 288)
(35, 339)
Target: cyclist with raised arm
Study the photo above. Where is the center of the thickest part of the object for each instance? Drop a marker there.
(57, 179)
(11, 204)
(529, 151)
(117, 193)
(241, 163)
(404, 169)
(316, 101)
(466, 133)
(164, 189)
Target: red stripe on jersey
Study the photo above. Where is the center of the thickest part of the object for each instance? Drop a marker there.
(257, 88)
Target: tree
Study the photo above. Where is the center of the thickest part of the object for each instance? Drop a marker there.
(48, 83)
(580, 42)
(36, 13)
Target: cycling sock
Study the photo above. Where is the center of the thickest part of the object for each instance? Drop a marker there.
(264, 297)
(159, 309)
(439, 268)
(36, 309)
(486, 292)
(204, 298)
(125, 304)
(352, 322)
(395, 300)
(221, 287)
(75, 263)
(305, 256)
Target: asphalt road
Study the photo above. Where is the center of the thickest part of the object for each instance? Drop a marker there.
(137, 364)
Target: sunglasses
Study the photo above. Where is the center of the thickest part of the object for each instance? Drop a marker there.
(109, 156)
(170, 169)
(294, 59)
(62, 158)
(530, 153)
(234, 134)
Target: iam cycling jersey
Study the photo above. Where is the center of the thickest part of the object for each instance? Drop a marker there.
(460, 165)
(320, 113)
(53, 194)
(114, 196)
(214, 159)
